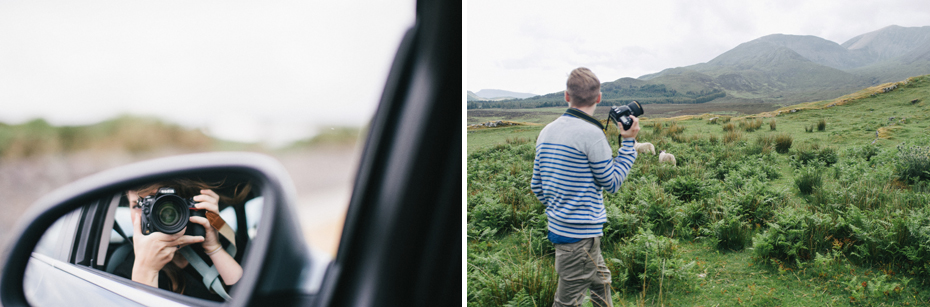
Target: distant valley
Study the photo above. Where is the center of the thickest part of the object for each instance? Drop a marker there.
(774, 69)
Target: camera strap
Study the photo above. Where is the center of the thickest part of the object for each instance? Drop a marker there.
(585, 117)
(224, 230)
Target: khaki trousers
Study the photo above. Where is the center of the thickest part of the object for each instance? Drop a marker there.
(581, 267)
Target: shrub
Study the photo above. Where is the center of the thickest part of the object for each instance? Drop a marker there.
(674, 129)
(646, 259)
(808, 154)
(690, 218)
(808, 179)
(865, 152)
(913, 163)
(531, 281)
(788, 238)
(517, 140)
(782, 142)
(732, 136)
(729, 127)
(490, 217)
(686, 188)
(730, 231)
(750, 125)
(822, 125)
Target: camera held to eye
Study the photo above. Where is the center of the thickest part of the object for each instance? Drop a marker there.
(621, 114)
(169, 213)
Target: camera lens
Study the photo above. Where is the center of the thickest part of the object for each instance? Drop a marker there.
(168, 214)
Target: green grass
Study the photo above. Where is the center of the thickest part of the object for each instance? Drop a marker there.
(483, 138)
(851, 216)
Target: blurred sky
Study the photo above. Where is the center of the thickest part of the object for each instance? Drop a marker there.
(267, 71)
(530, 46)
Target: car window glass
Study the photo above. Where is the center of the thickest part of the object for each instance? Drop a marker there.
(51, 244)
(124, 221)
(229, 215)
(253, 214)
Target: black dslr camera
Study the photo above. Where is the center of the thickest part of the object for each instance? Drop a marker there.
(169, 213)
(621, 114)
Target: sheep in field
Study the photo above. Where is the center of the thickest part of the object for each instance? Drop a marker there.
(644, 148)
(667, 157)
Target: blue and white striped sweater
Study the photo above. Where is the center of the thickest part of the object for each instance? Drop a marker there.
(573, 167)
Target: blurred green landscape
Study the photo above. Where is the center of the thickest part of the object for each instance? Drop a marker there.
(37, 157)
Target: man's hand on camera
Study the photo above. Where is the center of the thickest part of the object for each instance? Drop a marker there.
(633, 131)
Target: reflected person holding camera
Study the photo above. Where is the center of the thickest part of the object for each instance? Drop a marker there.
(162, 227)
(572, 168)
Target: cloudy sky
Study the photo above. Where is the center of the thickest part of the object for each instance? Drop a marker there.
(530, 46)
(243, 70)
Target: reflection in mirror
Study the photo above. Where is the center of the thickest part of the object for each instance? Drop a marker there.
(183, 235)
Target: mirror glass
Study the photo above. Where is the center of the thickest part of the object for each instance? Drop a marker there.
(167, 234)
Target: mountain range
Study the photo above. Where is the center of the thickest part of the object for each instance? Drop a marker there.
(496, 95)
(781, 68)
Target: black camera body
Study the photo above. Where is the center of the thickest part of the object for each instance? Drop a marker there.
(169, 213)
(621, 114)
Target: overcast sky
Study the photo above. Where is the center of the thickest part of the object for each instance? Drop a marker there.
(244, 70)
(530, 46)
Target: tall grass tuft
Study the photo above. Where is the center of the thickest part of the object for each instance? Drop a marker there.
(729, 127)
(517, 140)
(750, 125)
(808, 179)
(822, 125)
(732, 136)
(913, 164)
(782, 143)
(772, 124)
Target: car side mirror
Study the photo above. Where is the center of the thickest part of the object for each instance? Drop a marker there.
(277, 264)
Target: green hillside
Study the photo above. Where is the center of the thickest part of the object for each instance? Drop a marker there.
(774, 69)
(816, 204)
(134, 135)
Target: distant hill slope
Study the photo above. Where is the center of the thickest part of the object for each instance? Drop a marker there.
(776, 68)
(474, 97)
(492, 94)
(795, 68)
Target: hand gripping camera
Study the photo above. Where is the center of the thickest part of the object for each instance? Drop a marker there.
(621, 114)
(169, 213)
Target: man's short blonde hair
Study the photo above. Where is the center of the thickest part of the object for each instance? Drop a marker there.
(583, 87)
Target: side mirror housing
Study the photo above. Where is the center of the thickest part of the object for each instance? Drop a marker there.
(279, 239)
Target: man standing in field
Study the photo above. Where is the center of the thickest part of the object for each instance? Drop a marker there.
(573, 166)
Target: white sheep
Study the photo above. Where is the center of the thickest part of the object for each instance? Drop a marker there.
(667, 157)
(644, 148)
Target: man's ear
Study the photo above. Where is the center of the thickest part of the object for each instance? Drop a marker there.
(568, 99)
(599, 94)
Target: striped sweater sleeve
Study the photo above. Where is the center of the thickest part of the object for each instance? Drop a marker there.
(610, 172)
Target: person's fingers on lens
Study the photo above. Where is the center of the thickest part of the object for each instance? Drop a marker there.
(136, 223)
(184, 240)
(200, 220)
